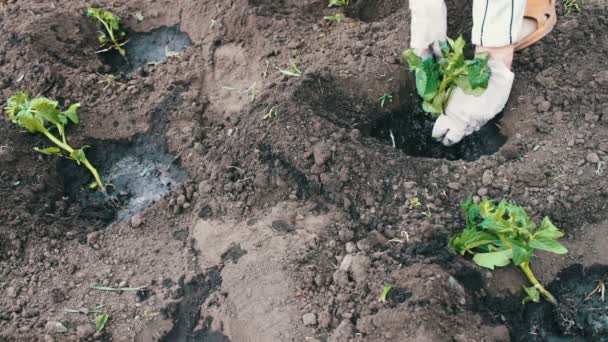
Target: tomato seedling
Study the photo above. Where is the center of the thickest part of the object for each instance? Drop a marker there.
(110, 35)
(41, 115)
(497, 235)
(435, 80)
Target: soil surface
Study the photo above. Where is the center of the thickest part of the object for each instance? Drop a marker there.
(253, 206)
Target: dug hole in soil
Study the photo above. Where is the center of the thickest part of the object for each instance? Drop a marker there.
(253, 206)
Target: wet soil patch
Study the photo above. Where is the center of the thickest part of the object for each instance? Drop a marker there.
(398, 295)
(152, 47)
(410, 130)
(140, 170)
(187, 313)
(573, 319)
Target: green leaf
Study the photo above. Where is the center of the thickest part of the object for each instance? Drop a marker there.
(493, 259)
(338, 3)
(100, 321)
(469, 239)
(30, 123)
(521, 252)
(385, 292)
(412, 59)
(548, 230)
(548, 244)
(72, 113)
(431, 108)
(533, 295)
(16, 104)
(51, 151)
(79, 155)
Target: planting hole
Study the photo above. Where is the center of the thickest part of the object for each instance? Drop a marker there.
(140, 170)
(152, 47)
(411, 129)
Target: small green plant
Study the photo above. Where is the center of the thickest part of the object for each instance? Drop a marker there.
(110, 36)
(571, 6)
(337, 18)
(100, 321)
(293, 71)
(385, 292)
(41, 115)
(338, 3)
(497, 235)
(414, 202)
(385, 97)
(435, 80)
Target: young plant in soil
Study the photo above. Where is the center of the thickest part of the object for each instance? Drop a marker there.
(110, 35)
(41, 115)
(435, 80)
(497, 235)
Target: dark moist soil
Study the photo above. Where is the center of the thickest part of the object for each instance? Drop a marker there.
(139, 170)
(286, 227)
(145, 48)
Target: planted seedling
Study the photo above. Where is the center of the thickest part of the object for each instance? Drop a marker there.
(497, 235)
(337, 18)
(384, 98)
(435, 80)
(110, 35)
(338, 3)
(41, 115)
(572, 6)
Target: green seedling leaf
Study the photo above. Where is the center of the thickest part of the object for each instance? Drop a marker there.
(436, 79)
(494, 259)
(385, 292)
(100, 321)
(42, 115)
(498, 234)
(533, 295)
(51, 151)
(72, 113)
(337, 18)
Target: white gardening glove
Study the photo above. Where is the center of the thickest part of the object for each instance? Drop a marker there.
(429, 25)
(465, 114)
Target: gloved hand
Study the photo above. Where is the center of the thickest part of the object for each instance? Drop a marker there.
(465, 114)
(429, 22)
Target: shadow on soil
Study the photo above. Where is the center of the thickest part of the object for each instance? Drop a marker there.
(140, 169)
(145, 48)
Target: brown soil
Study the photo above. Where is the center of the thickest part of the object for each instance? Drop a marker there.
(289, 227)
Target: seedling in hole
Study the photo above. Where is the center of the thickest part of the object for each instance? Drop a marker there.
(41, 115)
(100, 321)
(110, 36)
(435, 80)
(385, 97)
(497, 235)
(338, 3)
(336, 18)
(293, 71)
(385, 292)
